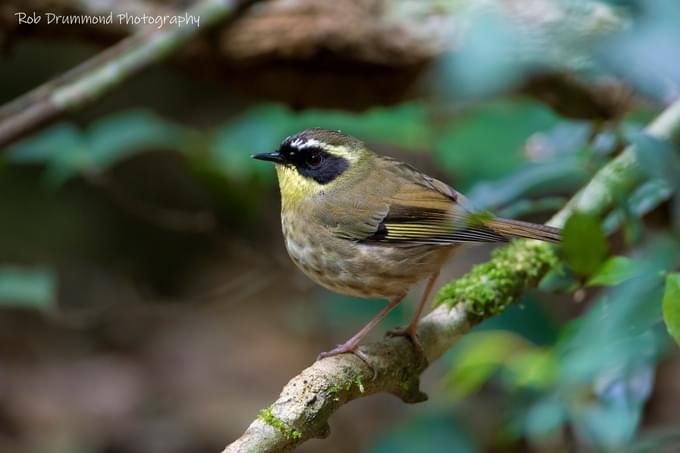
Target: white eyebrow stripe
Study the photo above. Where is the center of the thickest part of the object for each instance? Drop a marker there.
(300, 143)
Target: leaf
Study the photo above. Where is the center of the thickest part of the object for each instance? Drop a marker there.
(480, 356)
(258, 130)
(66, 151)
(657, 157)
(427, 432)
(611, 416)
(671, 305)
(45, 146)
(645, 198)
(567, 173)
(622, 326)
(118, 136)
(534, 367)
(614, 271)
(584, 244)
(648, 196)
(30, 288)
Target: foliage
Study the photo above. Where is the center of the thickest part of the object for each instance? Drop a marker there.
(584, 244)
(27, 288)
(462, 145)
(67, 150)
(671, 305)
(614, 271)
(574, 380)
(599, 373)
(427, 433)
(577, 356)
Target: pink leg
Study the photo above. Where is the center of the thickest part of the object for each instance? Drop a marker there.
(410, 330)
(351, 344)
(413, 325)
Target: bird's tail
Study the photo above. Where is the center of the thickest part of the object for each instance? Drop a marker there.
(527, 230)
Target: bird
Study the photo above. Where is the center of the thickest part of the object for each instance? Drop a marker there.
(370, 226)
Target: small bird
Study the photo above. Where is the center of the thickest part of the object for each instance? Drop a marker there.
(370, 226)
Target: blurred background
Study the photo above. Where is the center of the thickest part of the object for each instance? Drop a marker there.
(147, 304)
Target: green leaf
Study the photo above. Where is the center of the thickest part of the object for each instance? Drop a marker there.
(66, 151)
(534, 367)
(118, 136)
(671, 305)
(46, 146)
(657, 157)
(480, 356)
(584, 244)
(427, 432)
(614, 271)
(565, 174)
(258, 130)
(610, 417)
(29, 288)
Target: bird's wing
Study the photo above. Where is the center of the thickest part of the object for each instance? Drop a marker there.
(406, 207)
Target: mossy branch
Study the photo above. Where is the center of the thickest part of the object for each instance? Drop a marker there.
(302, 410)
(491, 286)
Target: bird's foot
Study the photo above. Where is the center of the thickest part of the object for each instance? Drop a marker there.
(348, 348)
(410, 333)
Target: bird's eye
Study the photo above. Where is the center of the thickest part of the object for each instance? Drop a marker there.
(314, 160)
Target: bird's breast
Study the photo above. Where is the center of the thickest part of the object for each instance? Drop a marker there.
(354, 268)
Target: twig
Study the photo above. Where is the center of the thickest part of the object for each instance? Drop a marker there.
(88, 81)
(302, 410)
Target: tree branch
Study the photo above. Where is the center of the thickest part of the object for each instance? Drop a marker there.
(88, 81)
(302, 410)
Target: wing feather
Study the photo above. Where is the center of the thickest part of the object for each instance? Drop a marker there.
(401, 206)
(423, 210)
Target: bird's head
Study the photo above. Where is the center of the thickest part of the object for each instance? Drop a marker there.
(316, 160)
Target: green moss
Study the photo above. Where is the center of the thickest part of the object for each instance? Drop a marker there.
(334, 390)
(269, 418)
(490, 287)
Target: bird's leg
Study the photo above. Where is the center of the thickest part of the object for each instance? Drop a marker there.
(351, 344)
(410, 330)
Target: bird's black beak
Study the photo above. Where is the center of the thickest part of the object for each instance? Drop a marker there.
(271, 157)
